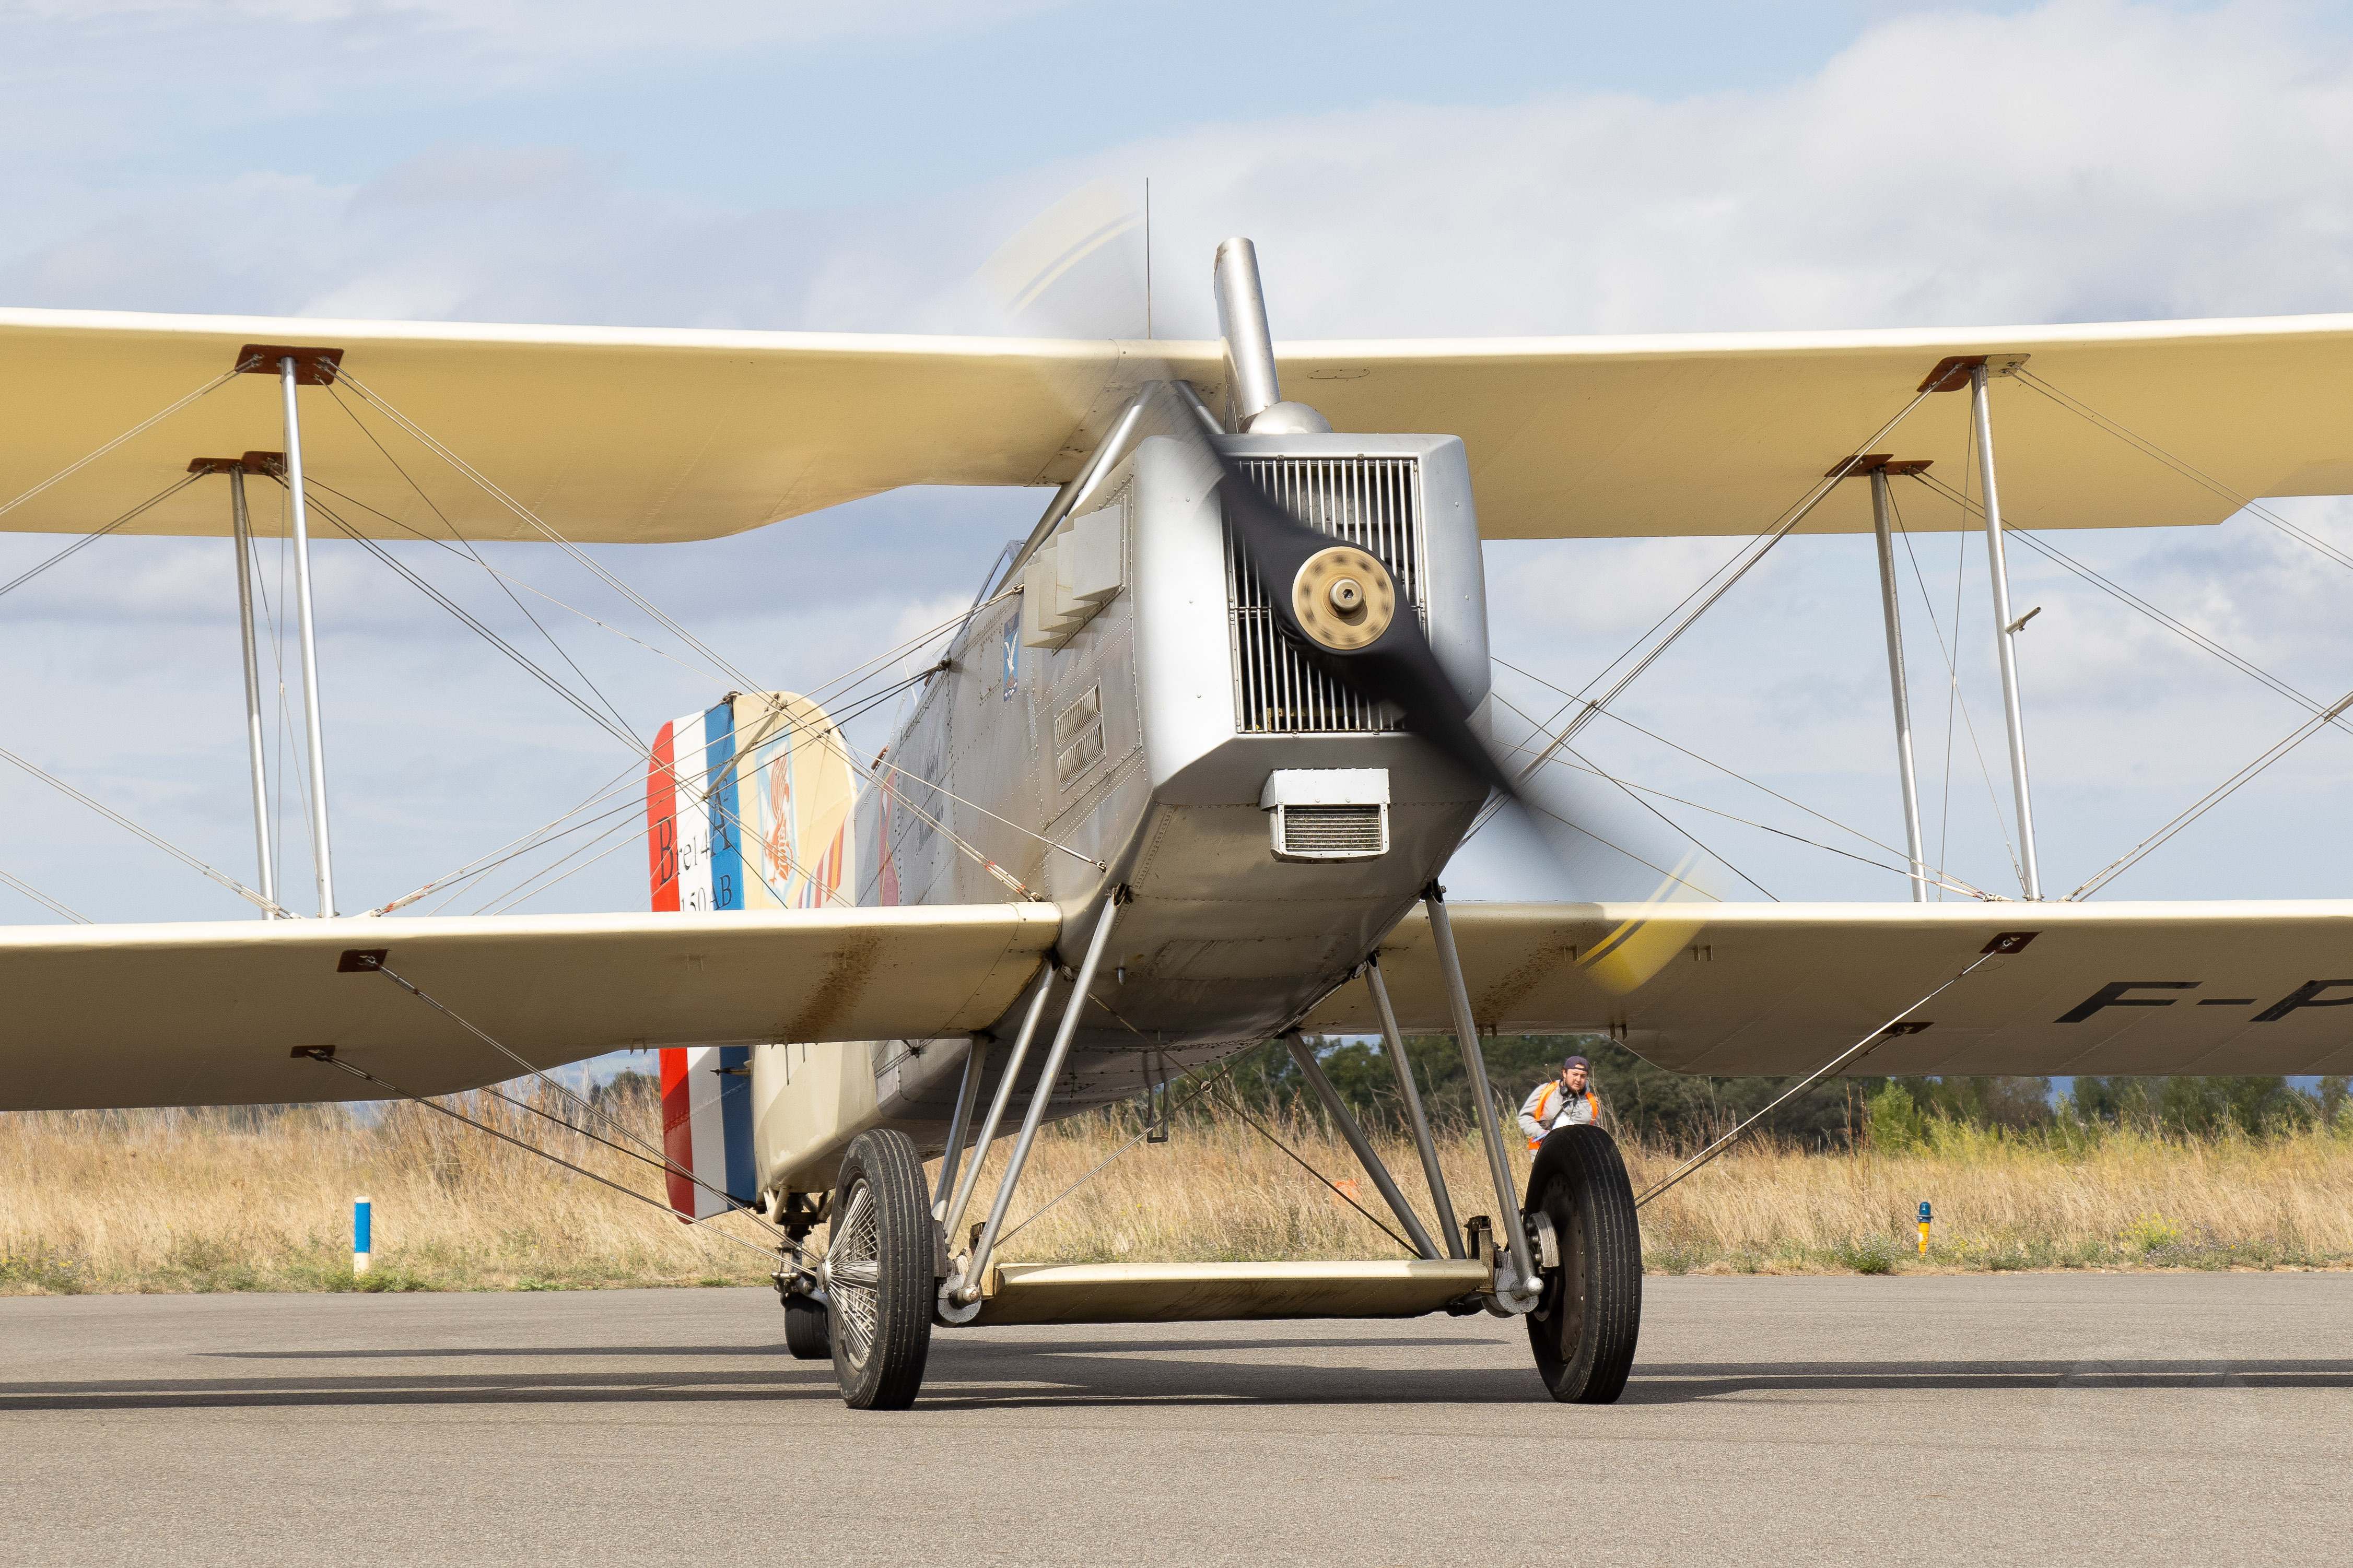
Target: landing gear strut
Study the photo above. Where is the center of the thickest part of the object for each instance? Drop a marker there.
(1584, 1328)
(877, 1273)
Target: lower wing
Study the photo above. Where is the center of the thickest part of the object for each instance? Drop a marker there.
(2221, 988)
(218, 1014)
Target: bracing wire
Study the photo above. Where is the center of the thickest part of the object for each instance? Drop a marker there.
(2331, 715)
(355, 1070)
(584, 1106)
(1739, 777)
(1199, 1089)
(1586, 765)
(92, 538)
(1711, 589)
(166, 846)
(2179, 465)
(1860, 1048)
(2212, 799)
(476, 556)
(579, 556)
(143, 425)
(2181, 629)
(39, 897)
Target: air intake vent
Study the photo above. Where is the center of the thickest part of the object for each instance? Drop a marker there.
(1331, 832)
(1371, 502)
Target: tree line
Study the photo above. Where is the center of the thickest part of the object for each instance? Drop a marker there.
(1651, 1104)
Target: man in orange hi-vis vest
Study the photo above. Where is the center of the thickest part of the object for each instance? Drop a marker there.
(1564, 1101)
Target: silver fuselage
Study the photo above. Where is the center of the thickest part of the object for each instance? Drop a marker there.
(1138, 753)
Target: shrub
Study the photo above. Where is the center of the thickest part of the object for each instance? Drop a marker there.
(1894, 1121)
(1865, 1255)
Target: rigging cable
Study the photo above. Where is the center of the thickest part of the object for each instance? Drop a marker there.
(2212, 798)
(2181, 466)
(144, 425)
(320, 1054)
(162, 495)
(1585, 765)
(1739, 777)
(39, 897)
(1743, 559)
(2182, 629)
(584, 1106)
(476, 556)
(1738, 567)
(1319, 1175)
(173, 850)
(1952, 697)
(1199, 1089)
(1992, 950)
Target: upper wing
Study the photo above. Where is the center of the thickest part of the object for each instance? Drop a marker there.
(643, 435)
(2220, 988)
(212, 1013)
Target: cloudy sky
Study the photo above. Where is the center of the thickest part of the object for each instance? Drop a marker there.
(1565, 168)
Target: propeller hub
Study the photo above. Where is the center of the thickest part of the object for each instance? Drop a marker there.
(1344, 597)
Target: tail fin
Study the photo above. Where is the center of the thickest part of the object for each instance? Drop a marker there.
(706, 1092)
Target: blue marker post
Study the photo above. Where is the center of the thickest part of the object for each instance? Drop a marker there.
(1924, 1227)
(360, 1235)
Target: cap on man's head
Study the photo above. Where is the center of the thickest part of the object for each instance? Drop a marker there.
(1568, 1062)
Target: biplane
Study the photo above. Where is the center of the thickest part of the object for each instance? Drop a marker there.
(1186, 780)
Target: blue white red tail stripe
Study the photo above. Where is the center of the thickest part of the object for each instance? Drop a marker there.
(707, 1127)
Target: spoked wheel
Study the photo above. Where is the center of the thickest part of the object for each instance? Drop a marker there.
(1585, 1327)
(878, 1273)
(808, 1329)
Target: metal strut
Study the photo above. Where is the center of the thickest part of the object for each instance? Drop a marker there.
(2005, 635)
(241, 525)
(1338, 1111)
(1411, 1094)
(965, 1291)
(1526, 1289)
(952, 1220)
(975, 1059)
(322, 857)
(1897, 684)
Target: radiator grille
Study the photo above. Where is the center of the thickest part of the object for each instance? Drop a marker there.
(1333, 830)
(1370, 503)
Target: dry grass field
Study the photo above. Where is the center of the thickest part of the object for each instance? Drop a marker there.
(235, 1200)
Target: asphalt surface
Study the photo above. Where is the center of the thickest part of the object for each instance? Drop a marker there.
(2008, 1418)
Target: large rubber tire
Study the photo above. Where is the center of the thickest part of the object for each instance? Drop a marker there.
(878, 1273)
(1583, 1329)
(808, 1327)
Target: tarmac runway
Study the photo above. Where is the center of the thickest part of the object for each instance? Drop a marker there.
(2004, 1418)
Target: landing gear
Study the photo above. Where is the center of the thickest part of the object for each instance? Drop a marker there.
(877, 1273)
(808, 1329)
(1584, 1328)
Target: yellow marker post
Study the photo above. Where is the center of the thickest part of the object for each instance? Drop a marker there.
(1924, 1227)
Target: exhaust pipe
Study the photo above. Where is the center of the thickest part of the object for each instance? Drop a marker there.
(1253, 395)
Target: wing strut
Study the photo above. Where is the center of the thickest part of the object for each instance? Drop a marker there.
(2005, 629)
(1526, 1288)
(1393, 1041)
(322, 371)
(963, 1292)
